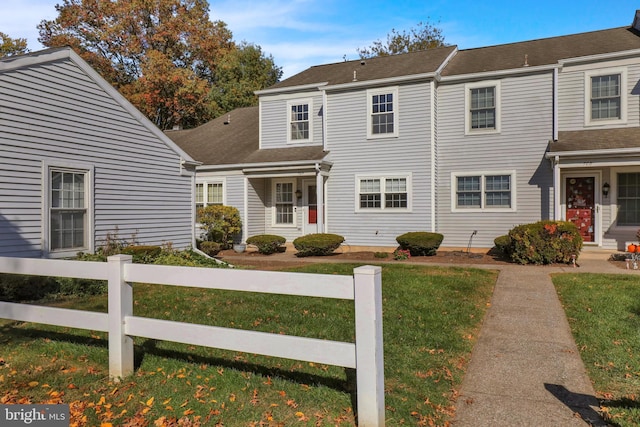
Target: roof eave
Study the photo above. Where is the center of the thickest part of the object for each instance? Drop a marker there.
(593, 153)
(286, 89)
(500, 73)
(263, 165)
(381, 82)
(600, 57)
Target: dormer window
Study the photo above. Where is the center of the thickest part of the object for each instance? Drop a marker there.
(300, 124)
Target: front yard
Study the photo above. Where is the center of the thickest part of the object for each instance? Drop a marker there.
(431, 319)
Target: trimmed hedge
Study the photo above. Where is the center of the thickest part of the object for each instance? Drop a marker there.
(220, 224)
(319, 244)
(502, 243)
(420, 243)
(267, 244)
(210, 248)
(544, 242)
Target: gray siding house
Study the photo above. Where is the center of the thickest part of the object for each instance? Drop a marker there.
(79, 162)
(461, 142)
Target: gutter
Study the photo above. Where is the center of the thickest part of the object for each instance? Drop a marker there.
(500, 73)
(592, 153)
(261, 166)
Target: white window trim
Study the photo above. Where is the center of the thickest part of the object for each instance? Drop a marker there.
(382, 179)
(613, 198)
(482, 174)
(396, 109)
(205, 182)
(88, 169)
(623, 96)
(467, 110)
(275, 224)
(308, 101)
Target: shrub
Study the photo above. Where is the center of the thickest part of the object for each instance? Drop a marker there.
(544, 242)
(502, 243)
(317, 244)
(82, 287)
(267, 243)
(220, 224)
(401, 254)
(18, 287)
(381, 254)
(187, 259)
(209, 248)
(142, 254)
(420, 243)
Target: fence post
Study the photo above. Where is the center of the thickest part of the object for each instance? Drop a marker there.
(120, 306)
(369, 350)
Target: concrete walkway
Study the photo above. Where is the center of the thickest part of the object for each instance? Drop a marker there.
(525, 369)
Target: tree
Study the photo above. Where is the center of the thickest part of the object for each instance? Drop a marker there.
(163, 55)
(424, 36)
(241, 72)
(10, 46)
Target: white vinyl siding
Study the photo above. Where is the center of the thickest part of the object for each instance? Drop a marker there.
(57, 111)
(382, 107)
(276, 125)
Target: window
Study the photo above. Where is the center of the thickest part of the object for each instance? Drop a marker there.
(483, 107)
(284, 203)
(380, 193)
(209, 193)
(382, 105)
(483, 191)
(300, 125)
(628, 199)
(605, 97)
(68, 202)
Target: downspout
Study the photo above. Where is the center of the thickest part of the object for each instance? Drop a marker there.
(555, 104)
(433, 154)
(556, 188)
(319, 200)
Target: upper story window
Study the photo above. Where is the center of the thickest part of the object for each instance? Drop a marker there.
(605, 97)
(300, 123)
(209, 193)
(483, 107)
(380, 192)
(382, 117)
(483, 191)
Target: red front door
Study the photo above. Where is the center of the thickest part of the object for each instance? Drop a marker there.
(580, 195)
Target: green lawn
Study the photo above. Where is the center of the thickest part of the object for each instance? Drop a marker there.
(604, 314)
(431, 318)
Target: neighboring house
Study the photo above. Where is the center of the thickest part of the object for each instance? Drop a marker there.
(78, 162)
(445, 140)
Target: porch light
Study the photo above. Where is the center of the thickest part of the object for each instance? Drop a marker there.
(605, 189)
(299, 194)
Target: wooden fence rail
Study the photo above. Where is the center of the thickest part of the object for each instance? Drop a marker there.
(364, 288)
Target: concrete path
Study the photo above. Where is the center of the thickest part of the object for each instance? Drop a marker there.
(525, 369)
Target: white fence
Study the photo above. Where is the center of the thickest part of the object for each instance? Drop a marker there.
(364, 288)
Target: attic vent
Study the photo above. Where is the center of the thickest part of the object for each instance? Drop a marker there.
(226, 122)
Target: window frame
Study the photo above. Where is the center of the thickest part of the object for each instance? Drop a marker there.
(48, 167)
(614, 194)
(290, 104)
(205, 191)
(396, 108)
(274, 207)
(483, 191)
(496, 84)
(383, 192)
(588, 82)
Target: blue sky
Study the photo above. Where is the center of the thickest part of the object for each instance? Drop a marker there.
(302, 33)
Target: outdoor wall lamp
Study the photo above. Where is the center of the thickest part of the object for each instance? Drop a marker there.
(299, 194)
(605, 189)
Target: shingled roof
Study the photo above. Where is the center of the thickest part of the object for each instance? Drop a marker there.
(596, 139)
(233, 139)
(382, 67)
(542, 51)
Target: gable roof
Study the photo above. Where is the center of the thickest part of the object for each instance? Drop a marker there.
(66, 53)
(378, 68)
(233, 139)
(542, 51)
